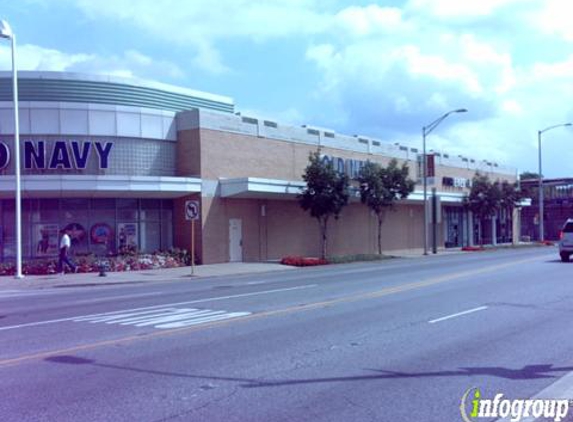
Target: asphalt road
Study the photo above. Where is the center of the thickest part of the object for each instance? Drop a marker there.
(401, 340)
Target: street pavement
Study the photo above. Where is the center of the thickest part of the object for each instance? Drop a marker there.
(183, 274)
(397, 340)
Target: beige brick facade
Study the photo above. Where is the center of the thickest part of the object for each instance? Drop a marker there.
(273, 227)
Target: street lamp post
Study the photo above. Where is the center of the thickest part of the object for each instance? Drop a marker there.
(541, 196)
(426, 131)
(6, 32)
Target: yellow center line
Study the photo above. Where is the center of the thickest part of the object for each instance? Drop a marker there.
(292, 309)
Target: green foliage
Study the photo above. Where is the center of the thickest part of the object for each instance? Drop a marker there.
(325, 194)
(511, 196)
(326, 191)
(381, 187)
(484, 198)
(344, 259)
(528, 175)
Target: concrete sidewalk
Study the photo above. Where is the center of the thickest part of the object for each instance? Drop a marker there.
(183, 273)
(165, 274)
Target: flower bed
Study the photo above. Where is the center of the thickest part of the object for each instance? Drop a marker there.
(473, 248)
(90, 263)
(300, 261)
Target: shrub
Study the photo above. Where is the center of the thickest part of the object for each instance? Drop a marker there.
(88, 263)
(344, 259)
(300, 261)
(473, 248)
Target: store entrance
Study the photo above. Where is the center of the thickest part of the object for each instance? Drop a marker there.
(235, 240)
(456, 233)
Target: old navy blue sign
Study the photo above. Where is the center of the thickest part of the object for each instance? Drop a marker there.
(346, 166)
(62, 155)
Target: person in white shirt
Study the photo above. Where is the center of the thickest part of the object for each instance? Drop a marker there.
(65, 244)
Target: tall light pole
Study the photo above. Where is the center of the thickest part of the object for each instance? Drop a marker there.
(6, 32)
(541, 197)
(426, 131)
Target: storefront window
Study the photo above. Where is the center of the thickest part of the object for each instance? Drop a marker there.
(103, 204)
(75, 209)
(150, 236)
(98, 225)
(127, 209)
(45, 239)
(166, 224)
(128, 237)
(48, 211)
(455, 235)
(150, 209)
(8, 233)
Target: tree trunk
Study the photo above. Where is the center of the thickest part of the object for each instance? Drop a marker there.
(323, 223)
(380, 216)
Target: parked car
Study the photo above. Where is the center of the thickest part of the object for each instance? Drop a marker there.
(566, 240)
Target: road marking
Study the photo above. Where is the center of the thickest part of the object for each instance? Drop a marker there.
(17, 293)
(469, 311)
(163, 317)
(285, 311)
(211, 299)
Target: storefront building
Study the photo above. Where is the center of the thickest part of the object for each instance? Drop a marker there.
(115, 160)
(557, 207)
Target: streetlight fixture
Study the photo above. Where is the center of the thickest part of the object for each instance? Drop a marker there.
(6, 32)
(426, 131)
(541, 198)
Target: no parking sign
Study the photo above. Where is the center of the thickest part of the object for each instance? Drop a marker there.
(192, 214)
(192, 210)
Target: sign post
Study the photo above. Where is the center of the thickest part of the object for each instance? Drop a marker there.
(192, 214)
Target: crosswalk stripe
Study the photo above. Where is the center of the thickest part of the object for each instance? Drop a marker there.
(113, 318)
(161, 317)
(181, 317)
(204, 320)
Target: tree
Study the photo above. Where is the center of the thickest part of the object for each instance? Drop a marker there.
(325, 194)
(381, 187)
(484, 199)
(528, 189)
(528, 175)
(510, 196)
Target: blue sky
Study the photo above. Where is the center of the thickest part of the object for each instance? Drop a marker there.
(382, 69)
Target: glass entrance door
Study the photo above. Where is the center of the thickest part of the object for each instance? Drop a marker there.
(454, 227)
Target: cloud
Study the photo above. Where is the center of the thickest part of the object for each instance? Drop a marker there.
(194, 25)
(131, 64)
(370, 20)
(553, 18)
(390, 84)
(380, 71)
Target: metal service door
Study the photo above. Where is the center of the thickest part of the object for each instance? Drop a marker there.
(235, 240)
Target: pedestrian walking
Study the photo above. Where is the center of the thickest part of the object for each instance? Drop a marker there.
(65, 244)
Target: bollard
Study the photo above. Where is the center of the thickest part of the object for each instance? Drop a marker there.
(102, 265)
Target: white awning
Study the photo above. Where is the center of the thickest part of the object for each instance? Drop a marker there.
(257, 188)
(252, 187)
(93, 186)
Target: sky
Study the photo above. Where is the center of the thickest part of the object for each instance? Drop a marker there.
(381, 69)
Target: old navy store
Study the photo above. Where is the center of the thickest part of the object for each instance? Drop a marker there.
(98, 225)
